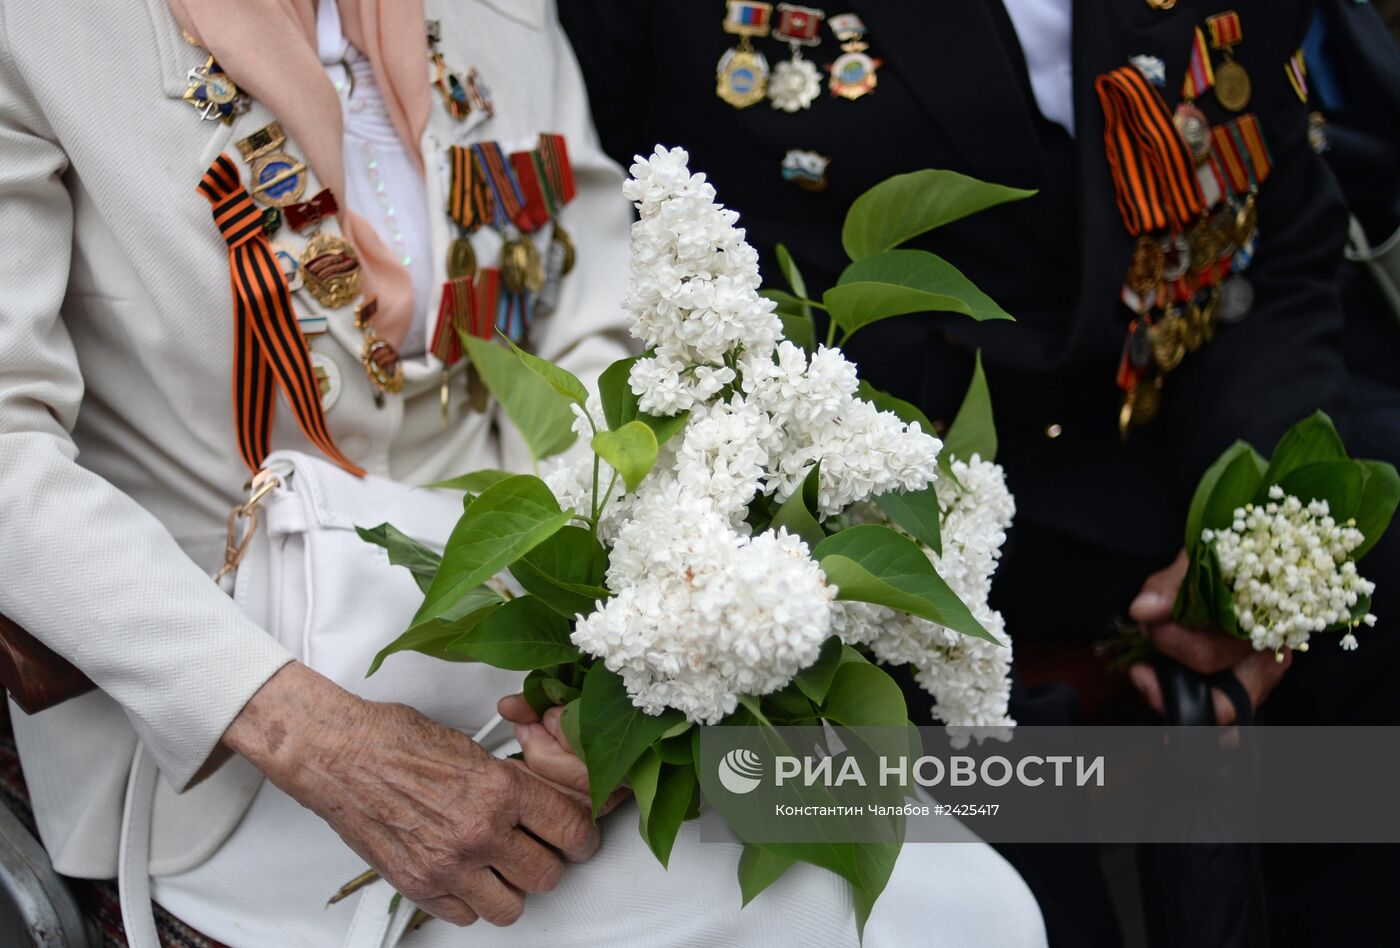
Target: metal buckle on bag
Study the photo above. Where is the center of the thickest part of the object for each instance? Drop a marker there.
(236, 545)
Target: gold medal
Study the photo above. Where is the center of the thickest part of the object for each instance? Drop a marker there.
(382, 364)
(331, 270)
(522, 269)
(1149, 262)
(741, 78)
(1206, 245)
(461, 259)
(1246, 221)
(1169, 342)
(1232, 86)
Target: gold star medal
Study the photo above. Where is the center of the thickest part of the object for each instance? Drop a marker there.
(853, 73)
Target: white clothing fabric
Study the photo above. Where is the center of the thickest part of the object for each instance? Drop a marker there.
(950, 895)
(382, 182)
(118, 456)
(1044, 28)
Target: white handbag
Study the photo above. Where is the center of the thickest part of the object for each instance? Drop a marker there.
(300, 570)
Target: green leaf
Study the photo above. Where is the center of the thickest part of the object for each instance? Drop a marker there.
(404, 551)
(917, 513)
(474, 483)
(435, 637)
(620, 403)
(800, 330)
(872, 563)
(906, 412)
(663, 793)
(507, 521)
(907, 205)
(798, 305)
(614, 731)
(522, 635)
(864, 696)
(1195, 515)
(798, 512)
(565, 572)
(974, 430)
(568, 723)
(559, 693)
(1310, 440)
(759, 868)
(1378, 504)
(631, 450)
(898, 282)
(561, 380)
(615, 392)
(1236, 484)
(533, 690)
(540, 414)
(1340, 483)
(790, 271)
(814, 680)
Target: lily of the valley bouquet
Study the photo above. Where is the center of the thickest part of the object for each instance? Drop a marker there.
(744, 526)
(1273, 544)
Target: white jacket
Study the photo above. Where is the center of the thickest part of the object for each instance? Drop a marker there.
(118, 458)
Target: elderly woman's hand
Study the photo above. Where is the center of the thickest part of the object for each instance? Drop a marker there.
(461, 834)
(547, 752)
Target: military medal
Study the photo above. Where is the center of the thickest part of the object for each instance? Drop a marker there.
(741, 78)
(521, 266)
(330, 270)
(1232, 85)
(213, 94)
(1236, 299)
(1161, 4)
(1152, 68)
(278, 179)
(1191, 123)
(853, 73)
(795, 83)
(1169, 341)
(381, 360)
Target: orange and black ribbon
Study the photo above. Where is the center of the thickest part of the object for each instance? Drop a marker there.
(1153, 171)
(267, 345)
(469, 200)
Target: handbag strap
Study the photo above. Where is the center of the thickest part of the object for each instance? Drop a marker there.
(134, 852)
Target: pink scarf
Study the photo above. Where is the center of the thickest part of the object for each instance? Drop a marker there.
(268, 47)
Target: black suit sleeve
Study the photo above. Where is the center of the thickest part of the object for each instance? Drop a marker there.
(613, 43)
(1284, 360)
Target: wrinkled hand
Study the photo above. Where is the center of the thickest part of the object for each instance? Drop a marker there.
(1202, 651)
(547, 751)
(459, 833)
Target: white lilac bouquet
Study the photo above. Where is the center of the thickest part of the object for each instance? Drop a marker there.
(743, 524)
(1273, 545)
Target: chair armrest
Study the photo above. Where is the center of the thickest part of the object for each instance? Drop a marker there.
(35, 675)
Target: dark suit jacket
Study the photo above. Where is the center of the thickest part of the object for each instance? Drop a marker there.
(953, 93)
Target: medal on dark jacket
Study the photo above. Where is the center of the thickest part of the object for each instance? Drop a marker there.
(795, 83)
(1232, 85)
(853, 73)
(741, 78)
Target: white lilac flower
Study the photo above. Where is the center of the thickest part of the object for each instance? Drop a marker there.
(1287, 565)
(702, 615)
(693, 295)
(967, 677)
